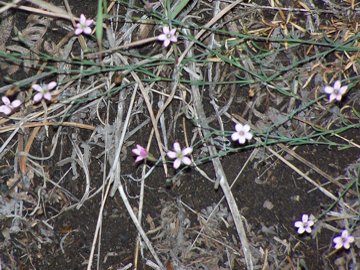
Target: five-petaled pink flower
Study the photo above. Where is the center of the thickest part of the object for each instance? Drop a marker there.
(8, 106)
(242, 133)
(140, 152)
(304, 225)
(336, 91)
(83, 26)
(344, 240)
(179, 155)
(43, 91)
(167, 36)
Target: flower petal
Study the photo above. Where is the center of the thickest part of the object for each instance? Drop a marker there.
(38, 97)
(78, 31)
(87, 30)
(238, 127)
(37, 87)
(332, 97)
(47, 96)
(166, 30)
(343, 90)
(301, 230)
(328, 89)
(166, 42)
(89, 22)
(242, 139)
(177, 163)
(82, 19)
(162, 37)
(171, 154)
(51, 85)
(186, 161)
(5, 100)
(136, 151)
(173, 39)
(177, 147)
(5, 109)
(248, 136)
(235, 136)
(337, 84)
(16, 103)
(246, 128)
(172, 32)
(298, 224)
(187, 151)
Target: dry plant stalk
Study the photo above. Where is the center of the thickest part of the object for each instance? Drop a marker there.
(220, 174)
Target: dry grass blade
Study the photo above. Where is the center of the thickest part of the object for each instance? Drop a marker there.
(41, 124)
(220, 174)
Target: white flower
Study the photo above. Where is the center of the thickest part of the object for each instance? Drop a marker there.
(83, 26)
(179, 155)
(304, 225)
(336, 92)
(8, 106)
(43, 91)
(242, 133)
(167, 36)
(344, 240)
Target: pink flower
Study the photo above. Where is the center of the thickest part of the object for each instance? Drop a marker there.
(336, 92)
(43, 91)
(83, 26)
(179, 155)
(140, 152)
(167, 36)
(344, 240)
(242, 133)
(304, 225)
(8, 106)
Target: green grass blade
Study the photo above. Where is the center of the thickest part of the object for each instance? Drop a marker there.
(177, 9)
(99, 23)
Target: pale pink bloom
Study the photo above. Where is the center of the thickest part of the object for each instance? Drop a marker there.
(344, 240)
(168, 36)
(83, 26)
(43, 91)
(242, 133)
(179, 155)
(336, 92)
(140, 152)
(8, 106)
(304, 225)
